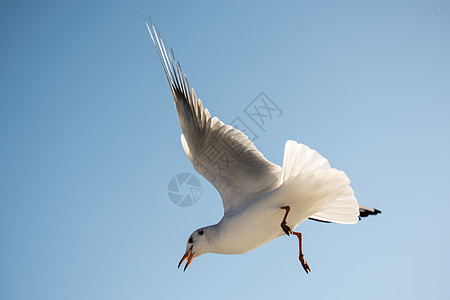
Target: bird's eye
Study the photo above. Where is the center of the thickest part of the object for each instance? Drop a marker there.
(200, 232)
(190, 240)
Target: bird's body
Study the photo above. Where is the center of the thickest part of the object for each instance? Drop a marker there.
(257, 221)
(249, 227)
(262, 201)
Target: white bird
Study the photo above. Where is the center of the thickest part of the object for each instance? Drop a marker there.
(262, 201)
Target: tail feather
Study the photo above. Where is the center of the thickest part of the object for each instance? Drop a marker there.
(331, 199)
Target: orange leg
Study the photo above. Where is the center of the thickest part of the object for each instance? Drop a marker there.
(284, 226)
(289, 231)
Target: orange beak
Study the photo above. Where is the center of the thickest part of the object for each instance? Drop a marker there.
(189, 255)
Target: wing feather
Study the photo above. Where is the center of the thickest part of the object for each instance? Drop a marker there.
(220, 153)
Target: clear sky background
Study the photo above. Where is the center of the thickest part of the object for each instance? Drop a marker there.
(90, 140)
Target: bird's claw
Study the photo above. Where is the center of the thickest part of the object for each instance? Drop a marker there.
(304, 264)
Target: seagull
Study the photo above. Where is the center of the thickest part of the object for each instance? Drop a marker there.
(262, 201)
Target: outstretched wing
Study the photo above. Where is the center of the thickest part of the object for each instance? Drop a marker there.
(220, 153)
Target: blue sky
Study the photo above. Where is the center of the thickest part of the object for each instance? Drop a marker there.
(90, 141)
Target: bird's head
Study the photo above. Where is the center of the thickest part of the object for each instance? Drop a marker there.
(197, 244)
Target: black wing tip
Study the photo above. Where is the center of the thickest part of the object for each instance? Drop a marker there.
(366, 212)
